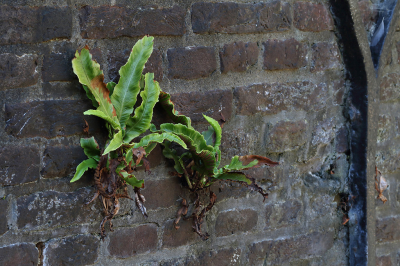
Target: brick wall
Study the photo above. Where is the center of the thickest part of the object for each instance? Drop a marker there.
(275, 71)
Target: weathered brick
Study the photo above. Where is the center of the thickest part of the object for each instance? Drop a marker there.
(369, 13)
(223, 257)
(238, 56)
(3, 214)
(76, 250)
(34, 24)
(342, 142)
(384, 125)
(49, 118)
(191, 62)
(128, 242)
(283, 214)
(61, 161)
(241, 18)
(398, 52)
(388, 229)
(19, 254)
(324, 132)
(117, 59)
(273, 98)
(51, 208)
(163, 193)
(339, 88)
(18, 71)
(278, 252)
(286, 54)
(184, 235)
(63, 90)
(389, 87)
(18, 165)
(210, 103)
(312, 17)
(234, 222)
(384, 261)
(324, 56)
(112, 21)
(225, 189)
(286, 136)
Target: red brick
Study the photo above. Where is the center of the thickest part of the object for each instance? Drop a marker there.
(279, 252)
(234, 222)
(388, 229)
(19, 254)
(389, 87)
(286, 136)
(111, 21)
(273, 98)
(312, 17)
(18, 71)
(191, 62)
(184, 235)
(163, 193)
(324, 56)
(76, 250)
(384, 261)
(238, 56)
(339, 88)
(49, 119)
(283, 214)
(49, 209)
(19, 165)
(286, 54)
(117, 59)
(128, 242)
(210, 103)
(61, 161)
(241, 18)
(34, 24)
(3, 214)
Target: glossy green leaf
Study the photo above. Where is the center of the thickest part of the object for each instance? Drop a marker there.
(115, 143)
(110, 86)
(169, 107)
(91, 148)
(90, 75)
(208, 136)
(83, 167)
(113, 121)
(236, 164)
(149, 148)
(140, 122)
(217, 129)
(159, 138)
(127, 89)
(234, 177)
(131, 180)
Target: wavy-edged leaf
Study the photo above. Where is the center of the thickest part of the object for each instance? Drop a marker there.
(208, 136)
(127, 89)
(217, 129)
(131, 179)
(110, 86)
(159, 138)
(140, 122)
(90, 75)
(171, 154)
(115, 143)
(83, 167)
(113, 121)
(91, 148)
(169, 107)
(261, 160)
(150, 147)
(234, 177)
(236, 164)
(90, 96)
(208, 163)
(193, 139)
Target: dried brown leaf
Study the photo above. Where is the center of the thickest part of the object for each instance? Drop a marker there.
(86, 127)
(181, 212)
(380, 185)
(139, 153)
(261, 160)
(139, 200)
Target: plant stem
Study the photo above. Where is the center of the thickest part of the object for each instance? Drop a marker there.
(186, 174)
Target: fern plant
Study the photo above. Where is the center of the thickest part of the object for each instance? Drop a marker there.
(114, 103)
(199, 159)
